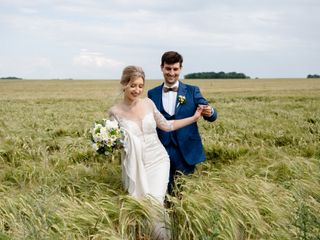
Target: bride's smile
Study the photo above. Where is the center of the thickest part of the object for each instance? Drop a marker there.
(133, 90)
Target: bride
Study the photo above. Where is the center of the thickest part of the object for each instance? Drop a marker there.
(146, 164)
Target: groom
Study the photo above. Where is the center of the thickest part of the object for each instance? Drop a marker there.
(176, 100)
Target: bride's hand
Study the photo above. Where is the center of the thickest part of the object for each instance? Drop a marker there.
(198, 113)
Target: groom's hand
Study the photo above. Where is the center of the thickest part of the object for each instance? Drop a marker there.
(207, 111)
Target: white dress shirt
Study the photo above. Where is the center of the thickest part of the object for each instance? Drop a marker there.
(169, 99)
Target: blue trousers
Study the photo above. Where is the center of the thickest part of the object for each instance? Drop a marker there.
(178, 165)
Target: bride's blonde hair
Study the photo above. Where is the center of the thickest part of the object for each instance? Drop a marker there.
(131, 72)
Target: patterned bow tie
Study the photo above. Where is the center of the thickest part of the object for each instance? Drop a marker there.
(168, 89)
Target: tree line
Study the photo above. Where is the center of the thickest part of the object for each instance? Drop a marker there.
(215, 75)
(313, 76)
(14, 78)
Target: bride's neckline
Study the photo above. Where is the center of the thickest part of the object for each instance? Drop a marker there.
(140, 119)
(138, 122)
(130, 104)
(130, 113)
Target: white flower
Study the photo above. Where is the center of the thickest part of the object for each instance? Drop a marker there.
(103, 130)
(97, 137)
(95, 146)
(109, 142)
(113, 138)
(111, 124)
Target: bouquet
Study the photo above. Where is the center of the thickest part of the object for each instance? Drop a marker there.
(107, 136)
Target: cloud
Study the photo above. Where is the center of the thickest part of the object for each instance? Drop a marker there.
(111, 33)
(149, 27)
(95, 59)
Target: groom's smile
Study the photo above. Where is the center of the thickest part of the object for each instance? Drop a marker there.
(171, 73)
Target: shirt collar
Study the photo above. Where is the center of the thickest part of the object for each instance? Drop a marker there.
(174, 85)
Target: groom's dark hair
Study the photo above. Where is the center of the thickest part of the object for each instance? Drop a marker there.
(171, 57)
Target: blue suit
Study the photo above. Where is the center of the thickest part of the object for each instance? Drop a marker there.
(184, 145)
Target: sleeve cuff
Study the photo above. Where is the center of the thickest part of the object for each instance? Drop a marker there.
(212, 111)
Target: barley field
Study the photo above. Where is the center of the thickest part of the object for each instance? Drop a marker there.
(261, 179)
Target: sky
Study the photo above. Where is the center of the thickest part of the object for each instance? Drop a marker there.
(96, 39)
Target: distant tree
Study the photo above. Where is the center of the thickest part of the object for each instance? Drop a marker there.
(214, 75)
(14, 78)
(313, 76)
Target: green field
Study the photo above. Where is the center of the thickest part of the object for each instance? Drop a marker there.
(261, 179)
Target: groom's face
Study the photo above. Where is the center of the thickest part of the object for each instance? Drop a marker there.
(171, 73)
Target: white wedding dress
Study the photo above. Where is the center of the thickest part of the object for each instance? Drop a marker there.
(145, 164)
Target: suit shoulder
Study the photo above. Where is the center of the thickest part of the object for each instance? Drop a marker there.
(190, 87)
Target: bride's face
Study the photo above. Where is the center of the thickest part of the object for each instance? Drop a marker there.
(134, 89)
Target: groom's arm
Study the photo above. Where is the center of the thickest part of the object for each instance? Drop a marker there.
(210, 113)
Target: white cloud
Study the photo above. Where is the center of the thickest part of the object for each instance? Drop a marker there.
(95, 59)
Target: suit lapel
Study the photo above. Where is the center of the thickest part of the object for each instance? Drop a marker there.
(182, 91)
(158, 98)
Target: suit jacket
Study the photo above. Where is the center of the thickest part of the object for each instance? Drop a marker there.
(187, 139)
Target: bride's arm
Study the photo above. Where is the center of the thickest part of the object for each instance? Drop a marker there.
(112, 114)
(186, 121)
(171, 125)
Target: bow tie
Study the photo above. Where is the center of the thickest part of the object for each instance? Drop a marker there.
(168, 89)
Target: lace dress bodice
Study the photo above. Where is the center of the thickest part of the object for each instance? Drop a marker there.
(144, 119)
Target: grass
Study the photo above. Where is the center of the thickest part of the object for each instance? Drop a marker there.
(261, 179)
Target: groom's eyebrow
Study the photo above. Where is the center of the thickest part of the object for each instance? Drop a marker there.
(174, 68)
